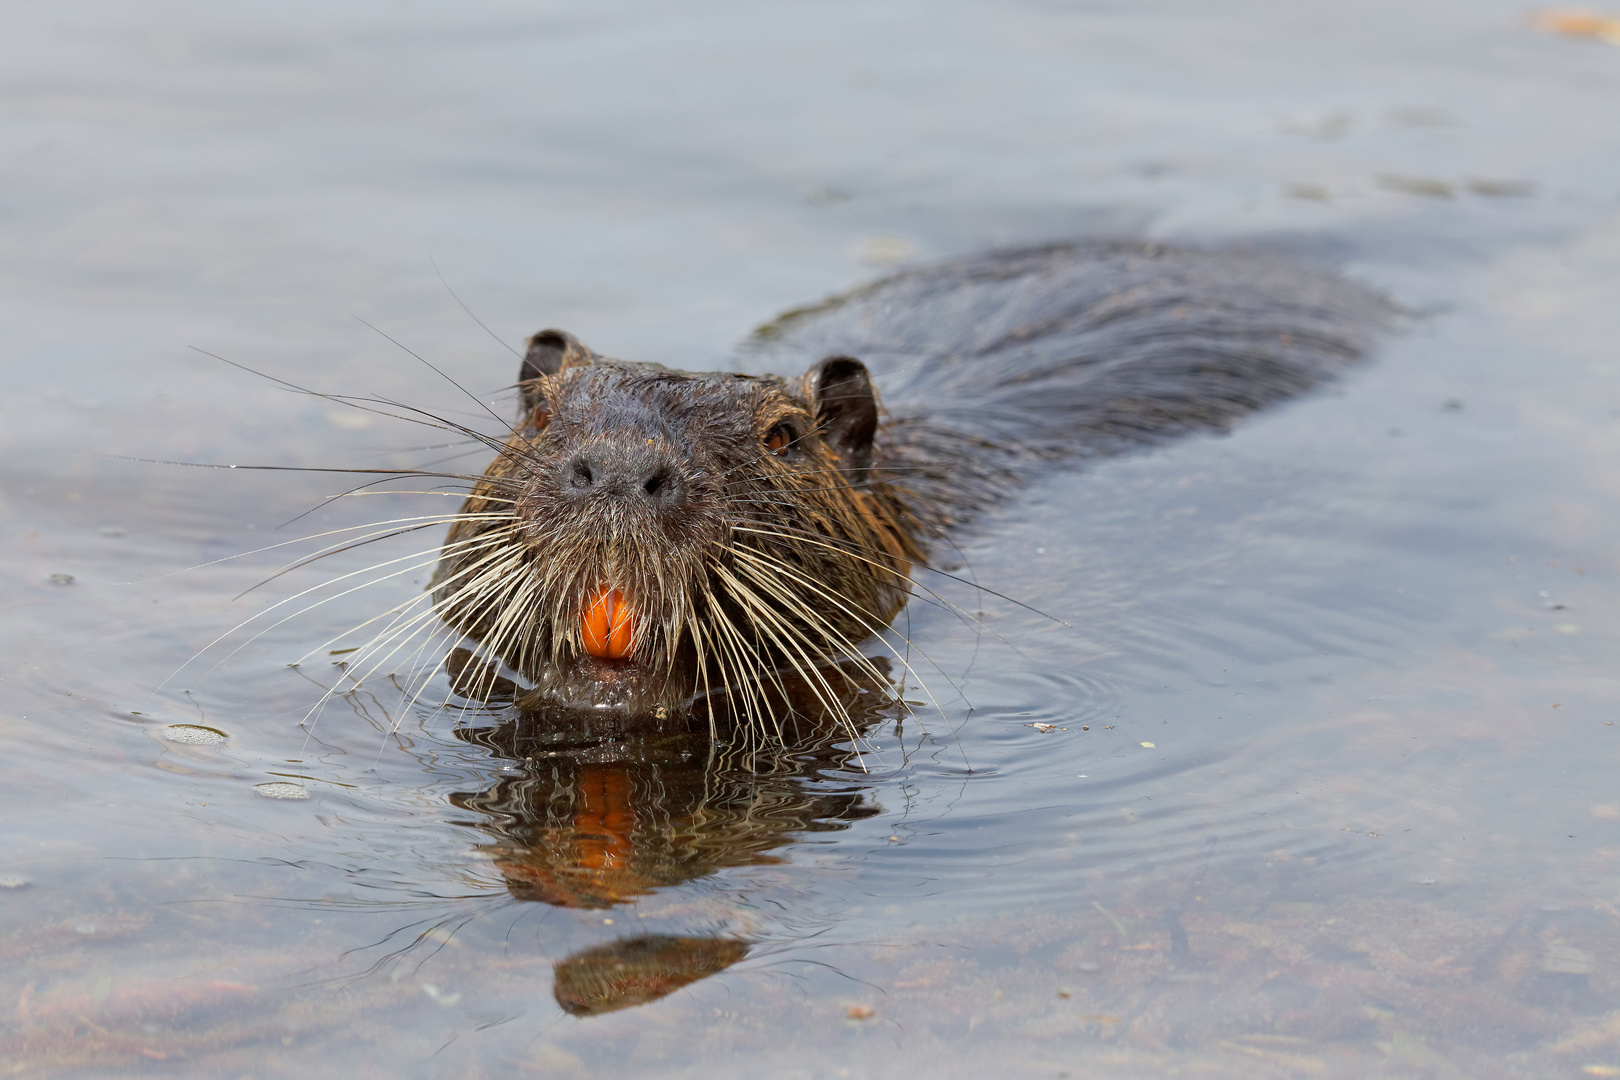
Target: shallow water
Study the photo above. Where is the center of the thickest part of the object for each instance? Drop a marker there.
(1331, 785)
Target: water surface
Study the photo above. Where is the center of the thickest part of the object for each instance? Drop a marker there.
(1329, 787)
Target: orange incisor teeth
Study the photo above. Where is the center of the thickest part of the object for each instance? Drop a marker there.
(608, 627)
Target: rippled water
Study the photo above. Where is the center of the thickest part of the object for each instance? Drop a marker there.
(1330, 787)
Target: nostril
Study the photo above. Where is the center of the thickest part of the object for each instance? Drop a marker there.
(612, 473)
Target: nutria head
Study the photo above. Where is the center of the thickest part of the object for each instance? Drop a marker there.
(648, 539)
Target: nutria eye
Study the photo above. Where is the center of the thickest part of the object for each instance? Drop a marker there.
(779, 439)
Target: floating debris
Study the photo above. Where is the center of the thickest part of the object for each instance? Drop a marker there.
(281, 790)
(1312, 192)
(61, 579)
(194, 734)
(1502, 189)
(1416, 185)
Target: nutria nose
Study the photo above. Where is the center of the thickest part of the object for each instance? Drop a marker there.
(644, 476)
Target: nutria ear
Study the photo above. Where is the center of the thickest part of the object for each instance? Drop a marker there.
(549, 352)
(840, 391)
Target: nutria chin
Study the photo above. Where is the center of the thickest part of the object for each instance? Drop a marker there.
(658, 544)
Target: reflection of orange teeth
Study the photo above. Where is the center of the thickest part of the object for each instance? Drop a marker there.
(608, 626)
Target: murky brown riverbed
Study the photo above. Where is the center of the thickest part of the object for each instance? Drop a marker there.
(1316, 775)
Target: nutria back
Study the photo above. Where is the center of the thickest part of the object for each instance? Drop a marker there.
(992, 365)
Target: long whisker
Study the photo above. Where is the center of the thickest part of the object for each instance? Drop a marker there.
(286, 543)
(434, 552)
(350, 545)
(302, 468)
(504, 343)
(851, 549)
(435, 368)
(782, 568)
(411, 414)
(362, 489)
(796, 654)
(932, 596)
(419, 598)
(415, 625)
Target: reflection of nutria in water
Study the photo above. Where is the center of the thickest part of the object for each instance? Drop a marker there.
(591, 822)
(651, 543)
(634, 971)
(594, 822)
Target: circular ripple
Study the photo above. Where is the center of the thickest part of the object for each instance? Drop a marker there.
(1065, 698)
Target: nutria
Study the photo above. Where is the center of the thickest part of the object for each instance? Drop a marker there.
(654, 544)
(582, 821)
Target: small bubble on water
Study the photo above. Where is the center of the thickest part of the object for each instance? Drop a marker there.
(14, 881)
(281, 790)
(194, 734)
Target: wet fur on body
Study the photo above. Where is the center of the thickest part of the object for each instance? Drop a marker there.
(762, 528)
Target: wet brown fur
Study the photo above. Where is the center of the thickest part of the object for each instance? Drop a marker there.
(749, 570)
